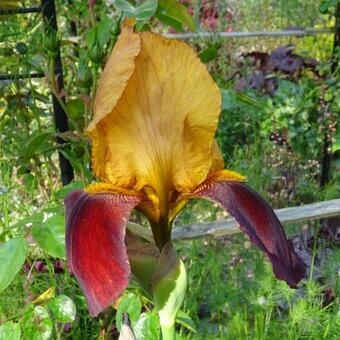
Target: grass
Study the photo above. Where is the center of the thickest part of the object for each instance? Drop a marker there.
(234, 295)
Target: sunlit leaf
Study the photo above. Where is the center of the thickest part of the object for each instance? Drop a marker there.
(130, 304)
(50, 236)
(12, 257)
(63, 308)
(10, 331)
(147, 327)
(37, 324)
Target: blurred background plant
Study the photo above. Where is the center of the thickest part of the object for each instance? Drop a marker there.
(278, 126)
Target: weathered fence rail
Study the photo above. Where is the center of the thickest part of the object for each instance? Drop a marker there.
(299, 32)
(229, 226)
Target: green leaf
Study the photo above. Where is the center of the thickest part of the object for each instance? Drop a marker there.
(172, 9)
(185, 320)
(50, 236)
(37, 324)
(35, 142)
(125, 7)
(209, 54)
(10, 331)
(130, 304)
(12, 257)
(74, 185)
(324, 6)
(99, 34)
(147, 327)
(63, 308)
(146, 9)
(169, 21)
(104, 31)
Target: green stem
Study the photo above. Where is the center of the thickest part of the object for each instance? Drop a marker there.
(168, 331)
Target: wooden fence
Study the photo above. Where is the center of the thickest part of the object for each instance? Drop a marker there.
(229, 226)
(300, 32)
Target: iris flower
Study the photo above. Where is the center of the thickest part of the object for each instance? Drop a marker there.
(155, 116)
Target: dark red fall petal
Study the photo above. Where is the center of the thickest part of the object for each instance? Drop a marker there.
(95, 245)
(258, 220)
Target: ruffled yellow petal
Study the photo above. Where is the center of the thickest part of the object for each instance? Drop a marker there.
(118, 70)
(158, 135)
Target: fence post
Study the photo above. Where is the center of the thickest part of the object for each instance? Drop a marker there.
(60, 118)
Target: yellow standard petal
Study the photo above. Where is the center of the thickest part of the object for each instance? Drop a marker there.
(118, 70)
(158, 136)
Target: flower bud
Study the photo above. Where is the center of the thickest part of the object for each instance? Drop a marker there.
(51, 44)
(96, 54)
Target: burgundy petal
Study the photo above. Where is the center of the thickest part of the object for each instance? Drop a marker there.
(258, 220)
(95, 245)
